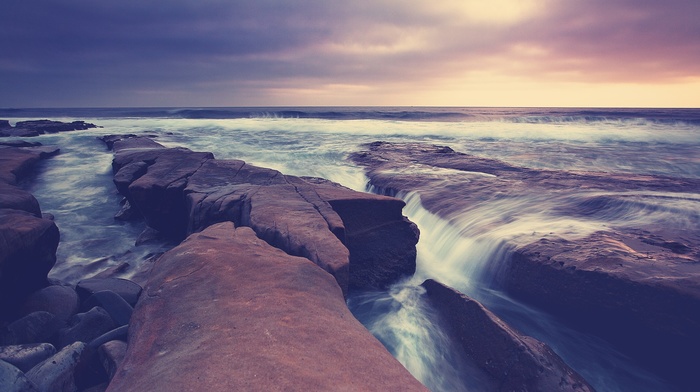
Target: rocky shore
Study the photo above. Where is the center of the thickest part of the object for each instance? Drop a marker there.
(252, 298)
(636, 285)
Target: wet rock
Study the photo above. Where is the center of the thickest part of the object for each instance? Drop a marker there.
(12, 197)
(119, 333)
(183, 192)
(40, 127)
(636, 284)
(26, 356)
(86, 326)
(113, 303)
(513, 361)
(57, 373)
(36, 327)
(255, 318)
(127, 289)
(27, 253)
(13, 380)
(61, 301)
(112, 354)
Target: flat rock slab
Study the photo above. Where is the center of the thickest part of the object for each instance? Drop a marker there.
(635, 282)
(39, 127)
(513, 362)
(225, 311)
(363, 240)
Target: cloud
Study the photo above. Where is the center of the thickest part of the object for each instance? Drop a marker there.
(209, 52)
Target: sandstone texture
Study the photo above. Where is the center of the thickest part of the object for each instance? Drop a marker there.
(363, 240)
(226, 311)
(635, 283)
(512, 361)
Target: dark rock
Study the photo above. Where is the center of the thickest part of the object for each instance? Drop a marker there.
(48, 126)
(5, 124)
(226, 311)
(127, 289)
(112, 354)
(13, 380)
(149, 235)
(36, 327)
(127, 213)
(513, 361)
(26, 356)
(17, 163)
(57, 373)
(119, 333)
(86, 326)
(61, 301)
(12, 197)
(113, 303)
(637, 286)
(19, 143)
(27, 253)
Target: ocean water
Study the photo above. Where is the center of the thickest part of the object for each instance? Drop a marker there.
(76, 187)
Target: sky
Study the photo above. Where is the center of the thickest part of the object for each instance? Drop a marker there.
(562, 53)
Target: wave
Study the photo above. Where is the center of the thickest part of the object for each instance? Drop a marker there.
(449, 114)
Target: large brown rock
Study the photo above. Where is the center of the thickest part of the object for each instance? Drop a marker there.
(636, 284)
(17, 162)
(225, 311)
(180, 192)
(513, 362)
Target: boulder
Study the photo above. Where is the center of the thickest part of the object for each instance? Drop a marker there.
(17, 163)
(61, 301)
(12, 197)
(127, 289)
(56, 374)
(26, 356)
(86, 326)
(113, 303)
(112, 354)
(27, 253)
(226, 311)
(13, 380)
(39, 127)
(512, 361)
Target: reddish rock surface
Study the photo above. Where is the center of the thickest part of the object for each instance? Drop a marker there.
(225, 311)
(637, 285)
(512, 361)
(362, 239)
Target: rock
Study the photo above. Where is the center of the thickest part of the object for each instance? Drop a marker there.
(226, 311)
(27, 253)
(47, 126)
(36, 327)
(127, 289)
(86, 327)
(113, 303)
(13, 380)
(182, 192)
(57, 373)
(119, 333)
(17, 163)
(513, 361)
(61, 301)
(26, 356)
(127, 214)
(12, 197)
(112, 354)
(631, 282)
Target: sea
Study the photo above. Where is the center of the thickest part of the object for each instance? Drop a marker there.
(76, 188)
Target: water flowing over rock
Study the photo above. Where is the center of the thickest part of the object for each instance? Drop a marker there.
(631, 275)
(361, 239)
(255, 318)
(511, 360)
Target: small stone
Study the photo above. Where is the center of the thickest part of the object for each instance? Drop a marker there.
(26, 356)
(112, 354)
(36, 327)
(127, 289)
(61, 301)
(56, 374)
(86, 327)
(13, 380)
